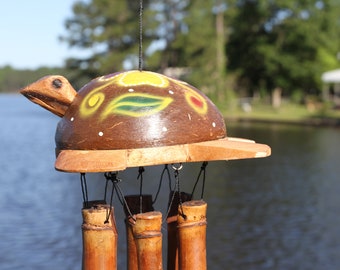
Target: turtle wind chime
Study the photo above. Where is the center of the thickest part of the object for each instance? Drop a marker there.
(130, 119)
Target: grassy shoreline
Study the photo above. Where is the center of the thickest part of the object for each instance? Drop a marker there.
(286, 114)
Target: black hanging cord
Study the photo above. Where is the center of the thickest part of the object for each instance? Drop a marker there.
(176, 173)
(110, 176)
(84, 190)
(113, 177)
(123, 201)
(165, 170)
(107, 177)
(140, 176)
(171, 201)
(203, 170)
(140, 58)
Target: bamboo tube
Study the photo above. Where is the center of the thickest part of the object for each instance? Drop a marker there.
(192, 235)
(99, 238)
(146, 228)
(131, 253)
(133, 202)
(174, 200)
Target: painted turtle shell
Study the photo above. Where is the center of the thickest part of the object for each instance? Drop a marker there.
(137, 109)
(135, 118)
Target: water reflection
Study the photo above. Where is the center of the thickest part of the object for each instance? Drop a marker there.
(39, 227)
(274, 211)
(279, 212)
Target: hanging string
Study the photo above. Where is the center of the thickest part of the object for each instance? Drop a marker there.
(176, 174)
(113, 177)
(165, 170)
(110, 176)
(123, 201)
(140, 176)
(171, 202)
(84, 190)
(203, 170)
(106, 185)
(140, 58)
(120, 194)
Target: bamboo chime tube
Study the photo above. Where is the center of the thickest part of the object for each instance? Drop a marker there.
(133, 202)
(174, 201)
(132, 260)
(146, 228)
(192, 225)
(99, 238)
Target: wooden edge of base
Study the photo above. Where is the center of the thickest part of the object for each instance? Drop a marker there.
(117, 160)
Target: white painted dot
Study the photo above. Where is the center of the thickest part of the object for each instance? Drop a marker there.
(164, 129)
(171, 92)
(72, 119)
(100, 133)
(131, 90)
(213, 124)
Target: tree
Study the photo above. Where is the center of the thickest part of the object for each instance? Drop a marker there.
(169, 17)
(191, 34)
(199, 44)
(12, 80)
(108, 30)
(283, 43)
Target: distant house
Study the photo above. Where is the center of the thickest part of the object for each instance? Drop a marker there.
(176, 72)
(331, 88)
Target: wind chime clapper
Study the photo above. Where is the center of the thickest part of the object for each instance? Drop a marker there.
(137, 119)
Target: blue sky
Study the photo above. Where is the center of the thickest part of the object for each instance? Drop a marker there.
(29, 33)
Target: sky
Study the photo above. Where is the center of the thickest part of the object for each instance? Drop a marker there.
(29, 32)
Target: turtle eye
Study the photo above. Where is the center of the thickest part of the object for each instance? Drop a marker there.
(57, 83)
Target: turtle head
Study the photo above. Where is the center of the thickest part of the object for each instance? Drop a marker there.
(54, 93)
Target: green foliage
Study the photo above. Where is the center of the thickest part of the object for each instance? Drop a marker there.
(109, 29)
(286, 43)
(253, 46)
(12, 80)
(268, 44)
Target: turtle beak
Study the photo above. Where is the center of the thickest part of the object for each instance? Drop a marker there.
(50, 103)
(54, 93)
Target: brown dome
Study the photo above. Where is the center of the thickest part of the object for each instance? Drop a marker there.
(136, 110)
(135, 118)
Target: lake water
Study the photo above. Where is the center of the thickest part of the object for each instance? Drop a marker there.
(280, 212)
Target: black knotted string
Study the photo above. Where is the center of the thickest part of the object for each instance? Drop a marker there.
(110, 176)
(140, 177)
(203, 170)
(84, 190)
(113, 177)
(165, 170)
(177, 186)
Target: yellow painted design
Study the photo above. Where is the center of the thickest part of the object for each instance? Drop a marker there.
(95, 98)
(134, 78)
(91, 102)
(136, 105)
